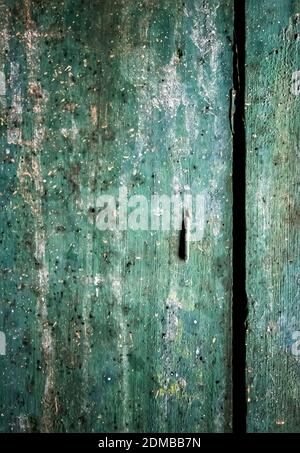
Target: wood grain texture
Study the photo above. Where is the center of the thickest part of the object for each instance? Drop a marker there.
(272, 122)
(109, 330)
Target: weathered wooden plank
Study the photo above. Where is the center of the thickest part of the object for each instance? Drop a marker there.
(272, 120)
(111, 330)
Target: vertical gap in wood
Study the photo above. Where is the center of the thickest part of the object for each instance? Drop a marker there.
(239, 304)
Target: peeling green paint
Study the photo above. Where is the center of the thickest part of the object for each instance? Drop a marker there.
(110, 331)
(272, 120)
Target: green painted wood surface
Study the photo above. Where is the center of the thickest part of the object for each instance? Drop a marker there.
(272, 123)
(111, 331)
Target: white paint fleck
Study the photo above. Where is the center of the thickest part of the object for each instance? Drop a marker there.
(2, 84)
(295, 83)
(70, 133)
(2, 343)
(24, 423)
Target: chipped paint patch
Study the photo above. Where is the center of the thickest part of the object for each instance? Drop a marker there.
(94, 114)
(2, 343)
(172, 322)
(2, 84)
(295, 83)
(14, 120)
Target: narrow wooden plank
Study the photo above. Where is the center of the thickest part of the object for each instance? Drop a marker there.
(272, 120)
(110, 330)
